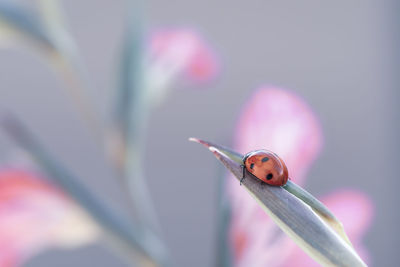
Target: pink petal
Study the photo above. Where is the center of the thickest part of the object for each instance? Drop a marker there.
(35, 215)
(203, 65)
(187, 51)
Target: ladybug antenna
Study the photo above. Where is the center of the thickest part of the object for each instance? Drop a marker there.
(243, 169)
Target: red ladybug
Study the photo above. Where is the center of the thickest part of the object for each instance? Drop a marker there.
(266, 166)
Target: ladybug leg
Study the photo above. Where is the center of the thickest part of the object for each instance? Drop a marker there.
(243, 168)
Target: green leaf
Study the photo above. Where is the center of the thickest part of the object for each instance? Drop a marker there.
(300, 222)
(294, 189)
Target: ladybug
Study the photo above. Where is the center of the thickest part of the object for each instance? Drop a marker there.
(266, 166)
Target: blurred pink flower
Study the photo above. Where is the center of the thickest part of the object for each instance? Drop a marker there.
(281, 121)
(34, 215)
(184, 51)
(173, 53)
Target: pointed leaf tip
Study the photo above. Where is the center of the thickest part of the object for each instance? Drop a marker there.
(197, 140)
(193, 139)
(233, 155)
(206, 144)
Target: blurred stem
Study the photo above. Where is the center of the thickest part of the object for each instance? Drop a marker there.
(67, 60)
(133, 109)
(16, 20)
(132, 112)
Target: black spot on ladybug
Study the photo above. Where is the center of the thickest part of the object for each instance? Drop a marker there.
(269, 176)
(252, 166)
(264, 159)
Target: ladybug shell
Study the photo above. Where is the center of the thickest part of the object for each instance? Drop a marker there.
(266, 166)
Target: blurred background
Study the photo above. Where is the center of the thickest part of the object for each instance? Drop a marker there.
(342, 57)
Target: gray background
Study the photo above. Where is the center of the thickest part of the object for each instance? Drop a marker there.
(341, 56)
